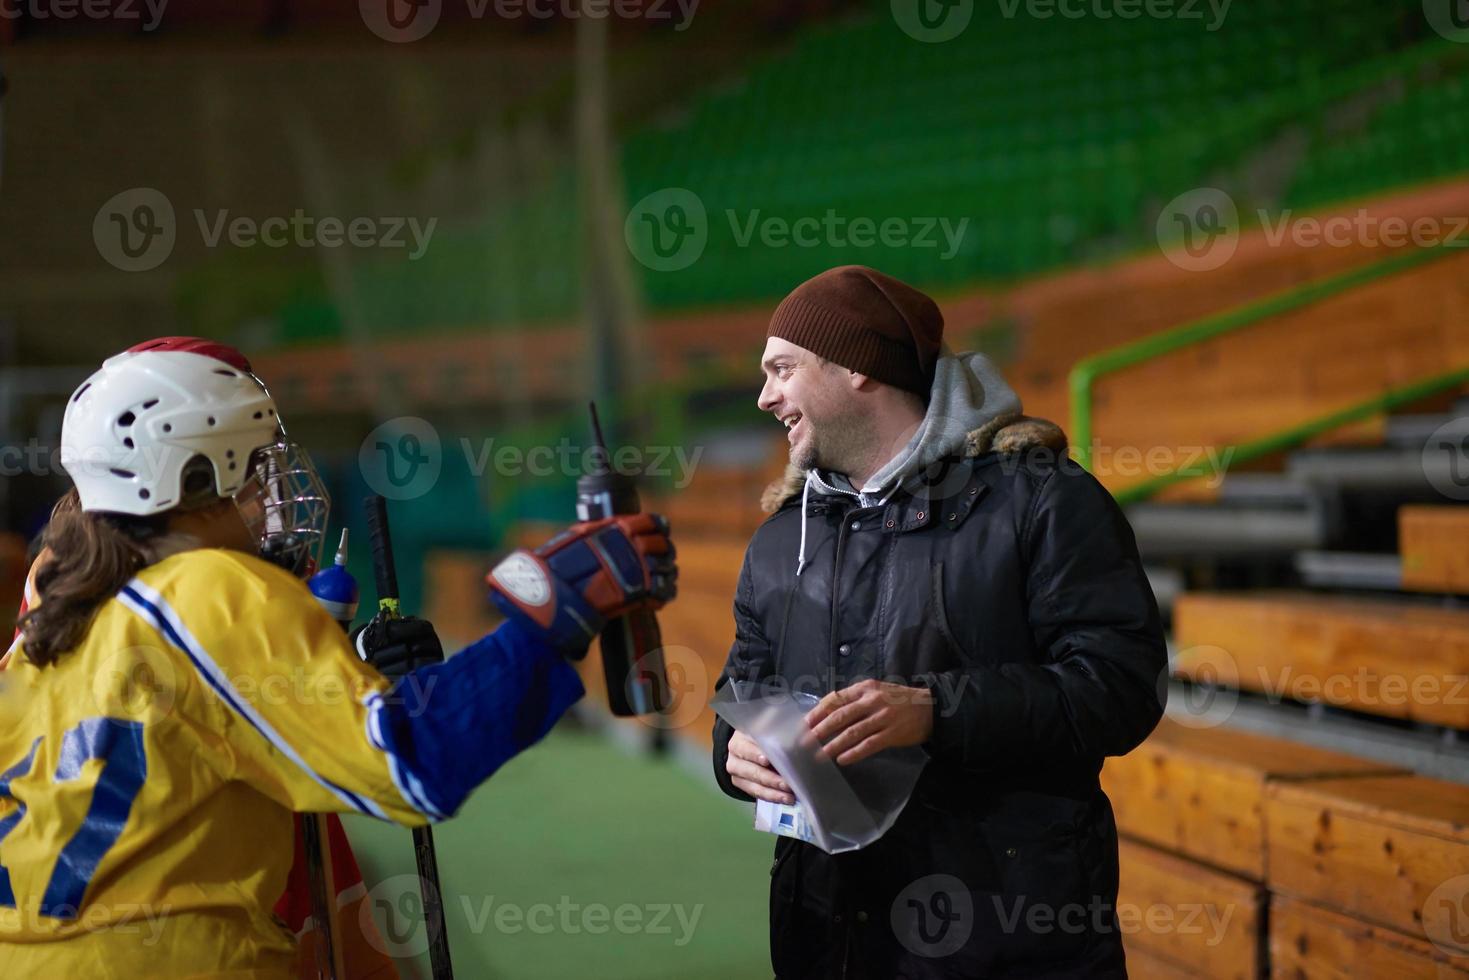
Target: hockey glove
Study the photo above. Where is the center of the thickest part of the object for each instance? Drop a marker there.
(397, 646)
(568, 588)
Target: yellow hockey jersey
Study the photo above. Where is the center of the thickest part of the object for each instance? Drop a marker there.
(147, 777)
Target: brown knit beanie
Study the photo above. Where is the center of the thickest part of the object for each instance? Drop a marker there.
(867, 322)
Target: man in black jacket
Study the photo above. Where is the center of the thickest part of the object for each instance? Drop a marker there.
(942, 574)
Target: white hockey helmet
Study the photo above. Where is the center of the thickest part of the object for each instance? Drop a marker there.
(133, 426)
(155, 417)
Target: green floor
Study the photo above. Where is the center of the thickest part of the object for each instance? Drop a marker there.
(582, 859)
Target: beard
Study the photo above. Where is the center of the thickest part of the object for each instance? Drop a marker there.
(836, 445)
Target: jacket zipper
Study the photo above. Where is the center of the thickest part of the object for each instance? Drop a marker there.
(836, 574)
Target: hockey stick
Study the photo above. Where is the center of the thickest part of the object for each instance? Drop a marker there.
(386, 574)
(322, 885)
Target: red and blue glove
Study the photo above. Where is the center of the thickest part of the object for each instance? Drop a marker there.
(568, 588)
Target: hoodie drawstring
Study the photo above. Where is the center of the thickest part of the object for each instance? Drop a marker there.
(805, 495)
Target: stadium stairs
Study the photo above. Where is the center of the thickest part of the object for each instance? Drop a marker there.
(1308, 797)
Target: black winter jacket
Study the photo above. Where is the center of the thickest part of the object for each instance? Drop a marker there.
(1010, 585)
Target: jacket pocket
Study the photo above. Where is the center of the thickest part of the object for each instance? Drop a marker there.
(940, 608)
(1044, 909)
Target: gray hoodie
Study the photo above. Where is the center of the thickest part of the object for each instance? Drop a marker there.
(967, 394)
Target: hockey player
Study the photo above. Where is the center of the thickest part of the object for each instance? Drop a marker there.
(357, 939)
(173, 697)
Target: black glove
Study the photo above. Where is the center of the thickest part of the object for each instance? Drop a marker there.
(397, 646)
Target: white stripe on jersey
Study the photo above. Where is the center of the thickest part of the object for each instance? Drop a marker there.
(409, 786)
(155, 610)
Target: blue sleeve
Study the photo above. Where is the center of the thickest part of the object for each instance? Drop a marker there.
(451, 725)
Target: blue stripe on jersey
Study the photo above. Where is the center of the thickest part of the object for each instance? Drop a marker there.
(152, 607)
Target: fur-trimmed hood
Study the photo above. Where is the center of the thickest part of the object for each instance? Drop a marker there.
(1009, 433)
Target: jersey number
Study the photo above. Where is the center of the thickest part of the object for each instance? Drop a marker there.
(119, 744)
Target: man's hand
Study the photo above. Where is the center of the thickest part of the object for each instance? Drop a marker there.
(862, 720)
(752, 773)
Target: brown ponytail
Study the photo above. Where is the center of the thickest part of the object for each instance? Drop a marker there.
(92, 556)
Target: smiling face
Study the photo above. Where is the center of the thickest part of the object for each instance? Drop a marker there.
(819, 404)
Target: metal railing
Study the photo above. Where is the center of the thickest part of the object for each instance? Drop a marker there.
(1084, 375)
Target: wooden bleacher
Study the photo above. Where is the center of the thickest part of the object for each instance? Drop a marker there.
(1434, 544)
(1186, 919)
(1377, 849)
(1219, 825)
(698, 629)
(1310, 941)
(1379, 656)
(1201, 791)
